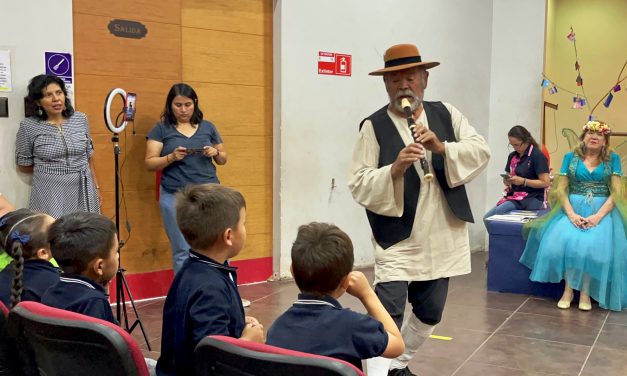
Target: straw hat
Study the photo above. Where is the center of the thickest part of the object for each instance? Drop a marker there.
(402, 56)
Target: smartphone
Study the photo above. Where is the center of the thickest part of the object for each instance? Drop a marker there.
(505, 175)
(129, 115)
(191, 151)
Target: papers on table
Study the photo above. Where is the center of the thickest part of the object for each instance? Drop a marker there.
(519, 216)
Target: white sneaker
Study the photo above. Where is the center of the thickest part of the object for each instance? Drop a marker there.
(245, 302)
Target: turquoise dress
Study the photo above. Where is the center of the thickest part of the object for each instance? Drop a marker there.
(557, 250)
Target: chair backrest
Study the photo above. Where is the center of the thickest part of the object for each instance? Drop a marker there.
(8, 358)
(221, 355)
(4, 310)
(60, 342)
(571, 137)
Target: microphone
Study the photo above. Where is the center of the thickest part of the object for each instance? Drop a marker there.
(428, 176)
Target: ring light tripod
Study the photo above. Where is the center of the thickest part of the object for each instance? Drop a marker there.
(121, 285)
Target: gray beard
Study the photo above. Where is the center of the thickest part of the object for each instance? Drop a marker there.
(396, 101)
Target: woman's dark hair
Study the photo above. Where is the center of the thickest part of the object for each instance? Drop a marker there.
(521, 133)
(184, 90)
(36, 92)
(22, 233)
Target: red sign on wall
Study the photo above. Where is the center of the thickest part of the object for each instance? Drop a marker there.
(334, 64)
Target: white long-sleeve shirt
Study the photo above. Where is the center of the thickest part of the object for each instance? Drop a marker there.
(438, 246)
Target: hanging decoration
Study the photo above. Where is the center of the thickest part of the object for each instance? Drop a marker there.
(580, 99)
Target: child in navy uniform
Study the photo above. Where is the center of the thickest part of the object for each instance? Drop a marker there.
(203, 299)
(322, 263)
(24, 237)
(86, 247)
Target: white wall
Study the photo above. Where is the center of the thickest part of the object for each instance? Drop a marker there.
(28, 29)
(317, 116)
(515, 92)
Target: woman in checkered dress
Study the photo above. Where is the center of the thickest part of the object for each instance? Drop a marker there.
(54, 144)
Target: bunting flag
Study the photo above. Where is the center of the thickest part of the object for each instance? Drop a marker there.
(553, 90)
(571, 35)
(545, 83)
(616, 88)
(578, 102)
(577, 65)
(579, 80)
(608, 100)
(592, 118)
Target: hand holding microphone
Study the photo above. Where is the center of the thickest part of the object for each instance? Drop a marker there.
(428, 176)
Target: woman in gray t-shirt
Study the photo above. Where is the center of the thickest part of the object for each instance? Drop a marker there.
(186, 148)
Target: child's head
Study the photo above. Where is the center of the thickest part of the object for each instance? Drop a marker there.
(86, 244)
(24, 236)
(211, 215)
(322, 257)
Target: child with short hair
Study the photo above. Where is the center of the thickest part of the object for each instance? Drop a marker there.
(322, 264)
(24, 237)
(86, 247)
(203, 299)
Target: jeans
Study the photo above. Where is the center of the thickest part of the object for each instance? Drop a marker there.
(180, 248)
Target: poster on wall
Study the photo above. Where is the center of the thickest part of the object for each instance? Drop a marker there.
(5, 71)
(334, 63)
(60, 64)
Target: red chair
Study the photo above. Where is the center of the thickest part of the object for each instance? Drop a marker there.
(60, 342)
(221, 355)
(8, 357)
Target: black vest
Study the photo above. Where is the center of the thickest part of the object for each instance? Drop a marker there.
(388, 231)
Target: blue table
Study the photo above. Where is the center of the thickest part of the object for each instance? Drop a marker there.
(505, 273)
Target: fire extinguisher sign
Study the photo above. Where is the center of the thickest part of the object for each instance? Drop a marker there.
(334, 63)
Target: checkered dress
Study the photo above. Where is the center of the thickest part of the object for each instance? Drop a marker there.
(62, 180)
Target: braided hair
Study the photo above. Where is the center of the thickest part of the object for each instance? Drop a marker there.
(22, 233)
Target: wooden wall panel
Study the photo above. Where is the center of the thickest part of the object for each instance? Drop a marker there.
(258, 208)
(158, 55)
(250, 161)
(136, 10)
(237, 109)
(257, 246)
(240, 16)
(225, 57)
(148, 67)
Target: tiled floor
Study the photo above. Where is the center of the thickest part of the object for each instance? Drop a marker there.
(492, 334)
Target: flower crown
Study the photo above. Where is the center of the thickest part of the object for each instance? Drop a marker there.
(597, 127)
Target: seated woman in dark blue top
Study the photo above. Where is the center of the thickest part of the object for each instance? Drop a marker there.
(24, 237)
(185, 147)
(527, 175)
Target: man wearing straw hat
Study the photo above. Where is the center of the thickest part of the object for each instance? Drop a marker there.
(419, 227)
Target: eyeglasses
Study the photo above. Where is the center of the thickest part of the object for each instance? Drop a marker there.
(513, 146)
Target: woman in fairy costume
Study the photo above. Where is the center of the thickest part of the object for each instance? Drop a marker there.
(582, 241)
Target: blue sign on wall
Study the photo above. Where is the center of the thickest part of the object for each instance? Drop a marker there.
(59, 64)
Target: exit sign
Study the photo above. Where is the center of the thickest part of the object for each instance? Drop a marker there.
(333, 63)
